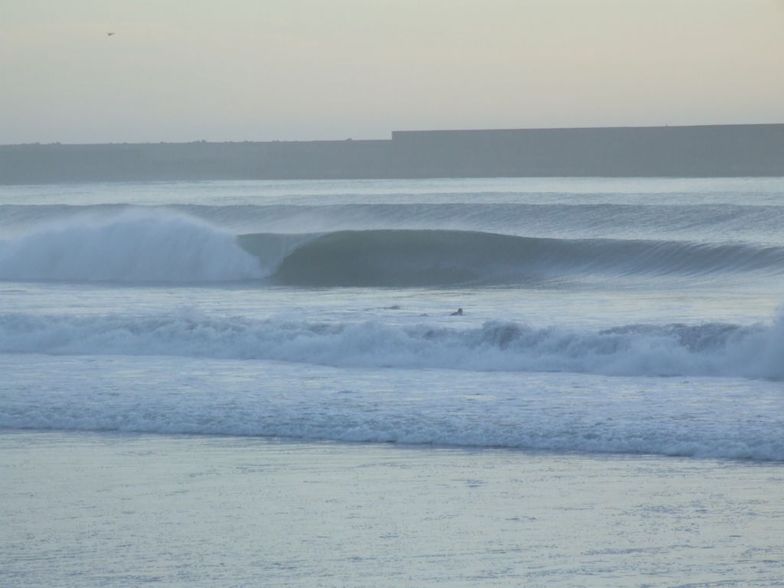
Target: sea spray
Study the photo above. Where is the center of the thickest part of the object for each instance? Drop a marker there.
(129, 247)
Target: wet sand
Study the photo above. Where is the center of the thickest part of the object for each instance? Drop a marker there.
(90, 509)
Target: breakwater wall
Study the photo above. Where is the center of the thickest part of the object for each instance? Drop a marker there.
(714, 150)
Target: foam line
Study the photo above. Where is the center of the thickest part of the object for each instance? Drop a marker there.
(711, 349)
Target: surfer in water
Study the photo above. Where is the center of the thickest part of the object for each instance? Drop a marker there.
(458, 312)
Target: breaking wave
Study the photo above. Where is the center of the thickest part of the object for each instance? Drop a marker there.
(711, 349)
(482, 386)
(164, 246)
(128, 247)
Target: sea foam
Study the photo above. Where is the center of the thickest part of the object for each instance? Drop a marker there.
(709, 418)
(129, 247)
(711, 349)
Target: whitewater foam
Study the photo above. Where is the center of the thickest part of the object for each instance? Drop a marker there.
(712, 349)
(131, 246)
(555, 412)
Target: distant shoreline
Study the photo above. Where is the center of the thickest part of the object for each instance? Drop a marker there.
(672, 151)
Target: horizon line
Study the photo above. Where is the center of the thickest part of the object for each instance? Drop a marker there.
(401, 131)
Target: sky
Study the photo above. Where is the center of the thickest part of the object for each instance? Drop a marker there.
(188, 70)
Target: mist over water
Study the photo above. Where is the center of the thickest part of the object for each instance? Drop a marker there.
(607, 286)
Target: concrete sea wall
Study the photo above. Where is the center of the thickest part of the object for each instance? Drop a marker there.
(719, 150)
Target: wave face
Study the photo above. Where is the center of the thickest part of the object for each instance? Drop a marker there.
(712, 349)
(400, 258)
(129, 247)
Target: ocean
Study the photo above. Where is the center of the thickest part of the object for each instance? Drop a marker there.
(617, 318)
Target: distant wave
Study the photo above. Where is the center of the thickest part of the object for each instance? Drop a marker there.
(712, 349)
(164, 246)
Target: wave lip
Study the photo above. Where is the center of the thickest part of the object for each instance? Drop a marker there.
(404, 258)
(128, 247)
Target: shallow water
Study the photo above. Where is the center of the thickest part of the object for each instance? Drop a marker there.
(83, 509)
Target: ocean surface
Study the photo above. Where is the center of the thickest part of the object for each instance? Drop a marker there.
(601, 316)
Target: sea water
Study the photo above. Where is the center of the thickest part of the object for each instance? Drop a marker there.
(600, 316)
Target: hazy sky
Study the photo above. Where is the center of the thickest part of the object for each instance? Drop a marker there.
(181, 70)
